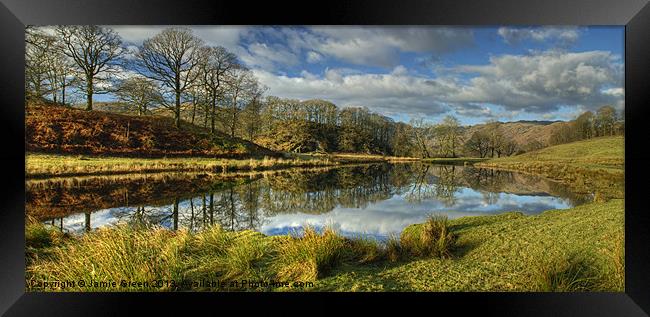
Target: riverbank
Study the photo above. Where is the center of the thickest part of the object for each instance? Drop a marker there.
(575, 249)
(41, 165)
(55, 165)
(594, 166)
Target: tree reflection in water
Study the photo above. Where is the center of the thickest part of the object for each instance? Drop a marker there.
(250, 203)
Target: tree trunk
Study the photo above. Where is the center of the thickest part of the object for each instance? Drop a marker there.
(63, 93)
(177, 113)
(89, 93)
(213, 114)
(193, 110)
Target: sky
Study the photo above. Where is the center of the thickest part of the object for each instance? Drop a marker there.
(474, 73)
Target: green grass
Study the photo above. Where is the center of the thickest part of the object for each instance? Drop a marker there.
(590, 166)
(574, 249)
(505, 252)
(50, 165)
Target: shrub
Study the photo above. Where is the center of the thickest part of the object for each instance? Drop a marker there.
(308, 257)
(433, 238)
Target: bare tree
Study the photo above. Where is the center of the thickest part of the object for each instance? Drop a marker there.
(140, 92)
(420, 132)
(218, 61)
(241, 88)
(96, 51)
(172, 58)
(478, 143)
(38, 47)
(60, 73)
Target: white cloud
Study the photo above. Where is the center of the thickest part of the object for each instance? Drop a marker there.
(542, 82)
(389, 93)
(558, 35)
(537, 83)
(265, 56)
(313, 57)
(226, 36)
(377, 46)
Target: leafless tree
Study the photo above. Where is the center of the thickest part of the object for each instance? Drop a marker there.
(140, 92)
(96, 51)
(242, 87)
(38, 47)
(218, 61)
(172, 58)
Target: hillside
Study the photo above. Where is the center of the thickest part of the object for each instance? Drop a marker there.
(59, 129)
(522, 132)
(602, 152)
(591, 166)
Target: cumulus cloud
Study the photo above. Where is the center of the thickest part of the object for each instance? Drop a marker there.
(381, 46)
(313, 57)
(557, 35)
(536, 83)
(543, 82)
(266, 56)
(393, 92)
(226, 36)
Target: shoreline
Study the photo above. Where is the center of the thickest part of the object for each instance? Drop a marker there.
(43, 166)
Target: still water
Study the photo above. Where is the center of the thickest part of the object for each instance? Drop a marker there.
(369, 200)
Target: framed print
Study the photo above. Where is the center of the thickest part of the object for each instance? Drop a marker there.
(216, 154)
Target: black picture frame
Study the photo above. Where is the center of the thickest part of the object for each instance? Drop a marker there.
(634, 14)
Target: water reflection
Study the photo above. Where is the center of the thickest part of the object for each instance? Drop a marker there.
(375, 200)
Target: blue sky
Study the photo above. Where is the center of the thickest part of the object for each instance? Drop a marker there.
(474, 73)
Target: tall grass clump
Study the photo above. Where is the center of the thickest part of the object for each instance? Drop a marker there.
(218, 254)
(40, 239)
(308, 257)
(393, 249)
(363, 250)
(116, 254)
(433, 238)
(614, 276)
(564, 274)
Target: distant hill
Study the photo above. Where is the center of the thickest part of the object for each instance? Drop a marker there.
(522, 132)
(60, 129)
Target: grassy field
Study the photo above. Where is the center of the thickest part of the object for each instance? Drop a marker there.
(52, 165)
(578, 249)
(590, 166)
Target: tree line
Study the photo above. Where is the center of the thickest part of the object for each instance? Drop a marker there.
(605, 122)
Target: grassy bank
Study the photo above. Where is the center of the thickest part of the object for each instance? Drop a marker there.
(40, 165)
(590, 166)
(52, 165)
(560, 250)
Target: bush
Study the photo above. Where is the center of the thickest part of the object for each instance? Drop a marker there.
(433, 238)
(308, 257)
